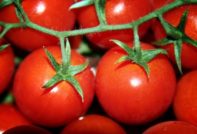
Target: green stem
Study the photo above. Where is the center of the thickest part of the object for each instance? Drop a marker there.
(105, 27)
(19, 7)
(136, 40)
(100, 10)
(44, 30)
(8, 26)
(62, 45)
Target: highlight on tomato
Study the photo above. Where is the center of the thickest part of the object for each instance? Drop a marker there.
(116, 12)
(188, 52)
(57, 104)
(127, 94)
(51, 14)
(93, 124)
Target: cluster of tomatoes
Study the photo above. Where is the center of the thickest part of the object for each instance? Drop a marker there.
(118, 97)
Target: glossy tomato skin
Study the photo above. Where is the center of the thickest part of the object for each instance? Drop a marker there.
(159, 3)
(11, 117)
(127, 94)
(189, 53)
(26, 129)
(55, 106)
(185, 99)
(76, 41)
(172, 127)
(6, 66)
(93, 124)
(47, 13)
(117, 12)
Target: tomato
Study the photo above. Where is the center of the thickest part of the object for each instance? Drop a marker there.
(189, 53)
(51, 14)
(127, 94)
(75, 41)
(6, 66)
(159, 3)
(93, 124)
(185, 99)
(117, 12)
(54, 106)
(25, 129)
(11, 117)
(172, 127)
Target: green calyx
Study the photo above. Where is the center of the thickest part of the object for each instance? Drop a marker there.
(140, 57)
(5, 3)
(82, 3)
(65, 71)
(99, 6)
(176, 36)
(2, 47)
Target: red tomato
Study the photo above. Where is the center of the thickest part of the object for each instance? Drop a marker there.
(159, 3)
(51, 14)
(172, 127)
(75, 41)
(127, 94)
(189, 53)
(10, 117)
(117, 12)
(55, 106)
(185, 101)
(25, 129)
(93, 124)
(6, 66)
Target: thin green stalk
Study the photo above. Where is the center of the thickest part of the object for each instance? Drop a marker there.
(100, 10)
(105, 27)
(62, 45)
(136, 40)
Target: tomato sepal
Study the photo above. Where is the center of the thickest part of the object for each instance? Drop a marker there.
(5, 3)
(65, 71)
(82, 3)
(2, 47)
(176, 36)
(140, 57)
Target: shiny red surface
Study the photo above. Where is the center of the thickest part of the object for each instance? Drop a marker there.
(172, 127)
(189, 53)
(10, 117)
(6, 66)
(51, 14)
(117, 12)
(55, 106)
(185, 101)
(93, 124)
(127, 94)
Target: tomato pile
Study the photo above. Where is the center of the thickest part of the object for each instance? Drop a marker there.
(98, 67)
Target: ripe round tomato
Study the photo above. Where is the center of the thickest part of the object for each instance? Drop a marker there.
(93, 124)
(117, 12)
(47, 13)
(172, 127)
(185, 99)
(25, 129)
(10, 117)
(189, 53)
(55, 106)
(127, 94)
(6, 66)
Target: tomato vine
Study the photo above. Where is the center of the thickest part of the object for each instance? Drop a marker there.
(139, 56)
